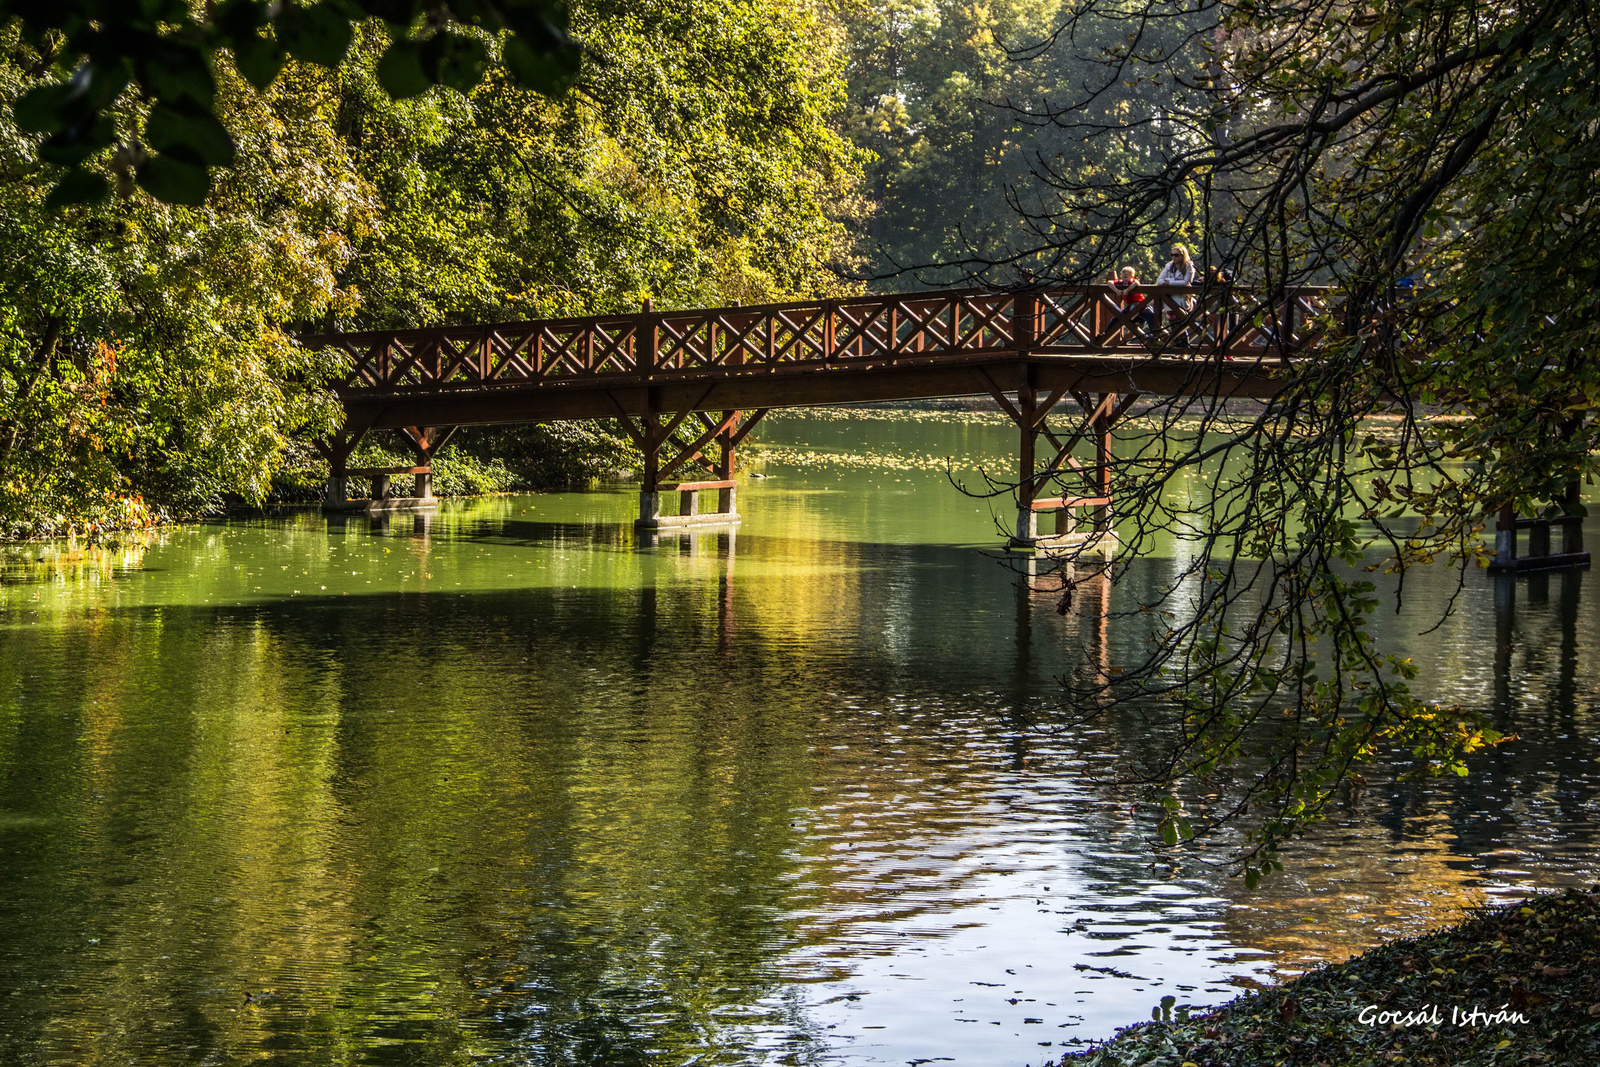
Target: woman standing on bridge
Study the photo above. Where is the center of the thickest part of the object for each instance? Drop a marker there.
(1180, 271)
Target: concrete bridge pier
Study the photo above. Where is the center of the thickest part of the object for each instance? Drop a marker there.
(649, 509)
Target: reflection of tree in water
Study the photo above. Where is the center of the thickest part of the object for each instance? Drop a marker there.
(632, 812)
(26, 569)
(1395, 856)
(593, 825)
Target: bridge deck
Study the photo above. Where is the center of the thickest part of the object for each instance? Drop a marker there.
(1221, 341)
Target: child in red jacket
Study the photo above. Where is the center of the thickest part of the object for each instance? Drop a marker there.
(1128, 295)
(1126, 288)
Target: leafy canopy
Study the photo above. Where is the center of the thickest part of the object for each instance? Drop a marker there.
(146, 358)
(164, 52)
(956, 101)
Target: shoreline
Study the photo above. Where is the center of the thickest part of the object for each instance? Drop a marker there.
(1514, 983)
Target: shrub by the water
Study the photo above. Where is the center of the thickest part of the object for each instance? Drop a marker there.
(477, 461)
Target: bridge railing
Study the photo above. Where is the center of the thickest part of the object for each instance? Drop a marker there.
(1091, 320)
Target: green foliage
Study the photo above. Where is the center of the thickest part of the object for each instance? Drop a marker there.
(478, 460)
(456, 472)
(954, 100)
(145, 364)
(654, 178)
(165, 52)
(147, 360)
(552, 456)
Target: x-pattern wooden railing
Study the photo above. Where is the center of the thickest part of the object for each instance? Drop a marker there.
(865, 331)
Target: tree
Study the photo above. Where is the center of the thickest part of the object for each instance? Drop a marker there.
(146, 361)
(1307, 141)
(947, 95)
(693, 162)
(147, 365)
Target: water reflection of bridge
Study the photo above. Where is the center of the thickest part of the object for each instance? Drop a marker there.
(1080, 593)
(688, 386)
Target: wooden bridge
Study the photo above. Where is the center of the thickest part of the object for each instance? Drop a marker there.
(688, 386)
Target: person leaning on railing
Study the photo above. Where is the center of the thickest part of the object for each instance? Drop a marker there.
(1178, 271)
(1128, 294)
(1219, 302)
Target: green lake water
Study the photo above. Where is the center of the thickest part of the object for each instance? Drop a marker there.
(507, 785)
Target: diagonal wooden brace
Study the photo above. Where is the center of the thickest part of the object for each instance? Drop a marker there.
(691, 450)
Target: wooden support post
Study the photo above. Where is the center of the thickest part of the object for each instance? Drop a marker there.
(1025, 322)
(336, 450)
(422, 484)
(1571, 524)
(650, 483)
(647, 349)
(1538, 539)
(338, 463)
(1102, 463)
(426, 441)
(1027, 518)
(1505, 605)
(726, 498)
(380, 486)
(1505, 538)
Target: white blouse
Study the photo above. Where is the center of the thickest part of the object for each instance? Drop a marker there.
(1171, 275)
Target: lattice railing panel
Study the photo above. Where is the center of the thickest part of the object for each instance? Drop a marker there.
(685, 342)
(798, 335)
(1066, 320)
(1080, 320)
(984, 322)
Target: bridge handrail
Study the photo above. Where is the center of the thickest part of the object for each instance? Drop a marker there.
(1224, 321)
